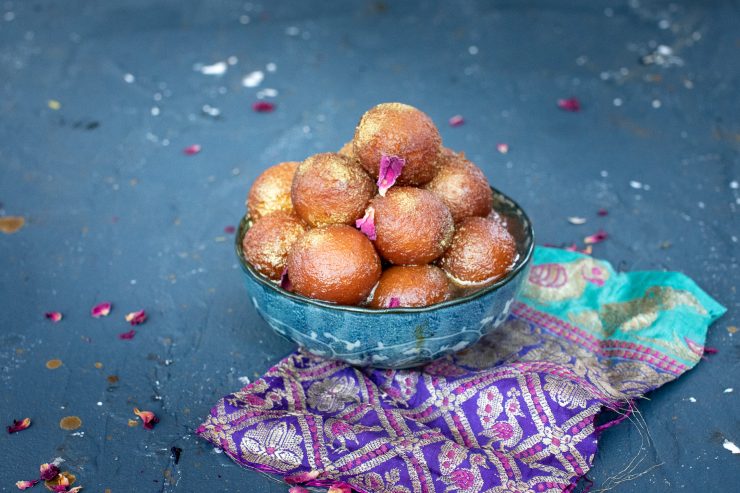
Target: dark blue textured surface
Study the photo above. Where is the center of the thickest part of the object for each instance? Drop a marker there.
(115, 211)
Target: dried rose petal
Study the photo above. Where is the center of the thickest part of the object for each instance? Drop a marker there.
(148, 418)
(285, 281)
(263, 106)
(136, 318)
(390, 169)
(297, 489)
(192, 150)
(587, 250)
(456, 121)
(602, 212)
(126, 336)
(229, 230)
(24, 485)
(502, 148)
(577, 220)
(54, 316)
(101, 310)
(339, 487)
(570, 104)
(394, 303)
(367, 224)
(302, 477)
(597, 237)
(19, 425)
(47, 472)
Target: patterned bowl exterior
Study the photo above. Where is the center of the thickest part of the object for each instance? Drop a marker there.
(392, 337)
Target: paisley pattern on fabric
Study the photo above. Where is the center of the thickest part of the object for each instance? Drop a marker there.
(515, 412)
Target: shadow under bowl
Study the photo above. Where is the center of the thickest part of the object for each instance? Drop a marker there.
(393, 337)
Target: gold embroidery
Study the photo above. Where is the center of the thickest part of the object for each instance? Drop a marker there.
(332, 394)
(277, 446)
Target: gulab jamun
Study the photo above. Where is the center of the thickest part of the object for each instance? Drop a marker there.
(334, 263)
(412, 226)
(482, 251)
(271, 190)
(463, 188)
(329, 188)
(414, 285)
(267, 243)
(397, 129)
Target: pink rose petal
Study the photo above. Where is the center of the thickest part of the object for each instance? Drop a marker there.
(148, 418)
(127, 336)
(390, 169)
(394, 303)
(297, 489)
(602, 212)
(54, 316)
(339, 487)
(263, 106)
(229, 230)
(367, 224)
(285, 281)
(502, 148)
(48, 472)
(136, 318)
(597, 237)
(302, 477)
(19, 425)
(101, 310)
(570, 104)
(192, 150)
(456, 121)
(24, 485)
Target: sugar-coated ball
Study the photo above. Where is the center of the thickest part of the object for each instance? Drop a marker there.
(412, 226)
(329, 188)
(411, 286)
(397, 129)
(482, 251)
(267, 243)
(334, 263)
(463, 187)
(271, 190)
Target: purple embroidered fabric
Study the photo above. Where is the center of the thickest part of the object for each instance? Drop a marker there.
(514, 413)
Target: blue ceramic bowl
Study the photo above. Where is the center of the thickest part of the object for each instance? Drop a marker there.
(392, 337)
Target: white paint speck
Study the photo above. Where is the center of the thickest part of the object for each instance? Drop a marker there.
(267, 92)
(701, 204)
(617, 101)
(157, 96)
(728, 390)
(664, 24)
(292, 31)
(244, 19)
(692, 399)
(155, 111)
(577, 220)
(604, 173)
(734, 185)
(218, 68)
(473, 50)
(582, 60)
(232, 60)
(635, 184)
(731, 446)
(99, 403)
(211, 110)
(133, 282)
(244, 380)
(9, 16)
(271, 67)
(656, 103)
(217, 450)
(129, 78)
(253, 79)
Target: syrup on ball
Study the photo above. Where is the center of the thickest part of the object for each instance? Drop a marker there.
(415, 285)
(482, 251)
(268, 241)
(397, 129)
(271, 190)
(329, 188)
(463, 187)
(334, 263)
(412, 226)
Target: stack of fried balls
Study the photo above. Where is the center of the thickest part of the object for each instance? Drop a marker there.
(393, 219)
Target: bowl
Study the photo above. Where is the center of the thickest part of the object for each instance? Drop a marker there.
(393, 337)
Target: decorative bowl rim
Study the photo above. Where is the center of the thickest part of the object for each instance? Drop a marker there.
(520, 264)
